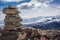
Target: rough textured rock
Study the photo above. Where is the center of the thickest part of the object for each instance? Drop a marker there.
(12, 21)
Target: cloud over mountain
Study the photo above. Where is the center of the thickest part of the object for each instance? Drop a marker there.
(37, 8)
(34, 4)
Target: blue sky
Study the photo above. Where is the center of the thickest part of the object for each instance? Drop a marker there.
(32, 8)
(5, 3)
(56, 2)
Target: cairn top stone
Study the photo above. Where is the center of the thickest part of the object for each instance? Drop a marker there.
(10, 10)
(11, 6)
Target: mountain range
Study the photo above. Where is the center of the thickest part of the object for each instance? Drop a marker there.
(45, 23)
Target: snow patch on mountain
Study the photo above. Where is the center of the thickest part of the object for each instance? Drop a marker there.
(42, 19)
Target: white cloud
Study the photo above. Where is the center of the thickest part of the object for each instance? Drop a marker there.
(44, 12)
(36, 8)
(49, 11)
(2, 16)
(34, 4)
(10, 0)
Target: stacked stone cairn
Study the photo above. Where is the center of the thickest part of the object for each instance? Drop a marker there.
(12, 19)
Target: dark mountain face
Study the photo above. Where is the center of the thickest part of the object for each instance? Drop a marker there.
(45, 26)
(48, 24)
